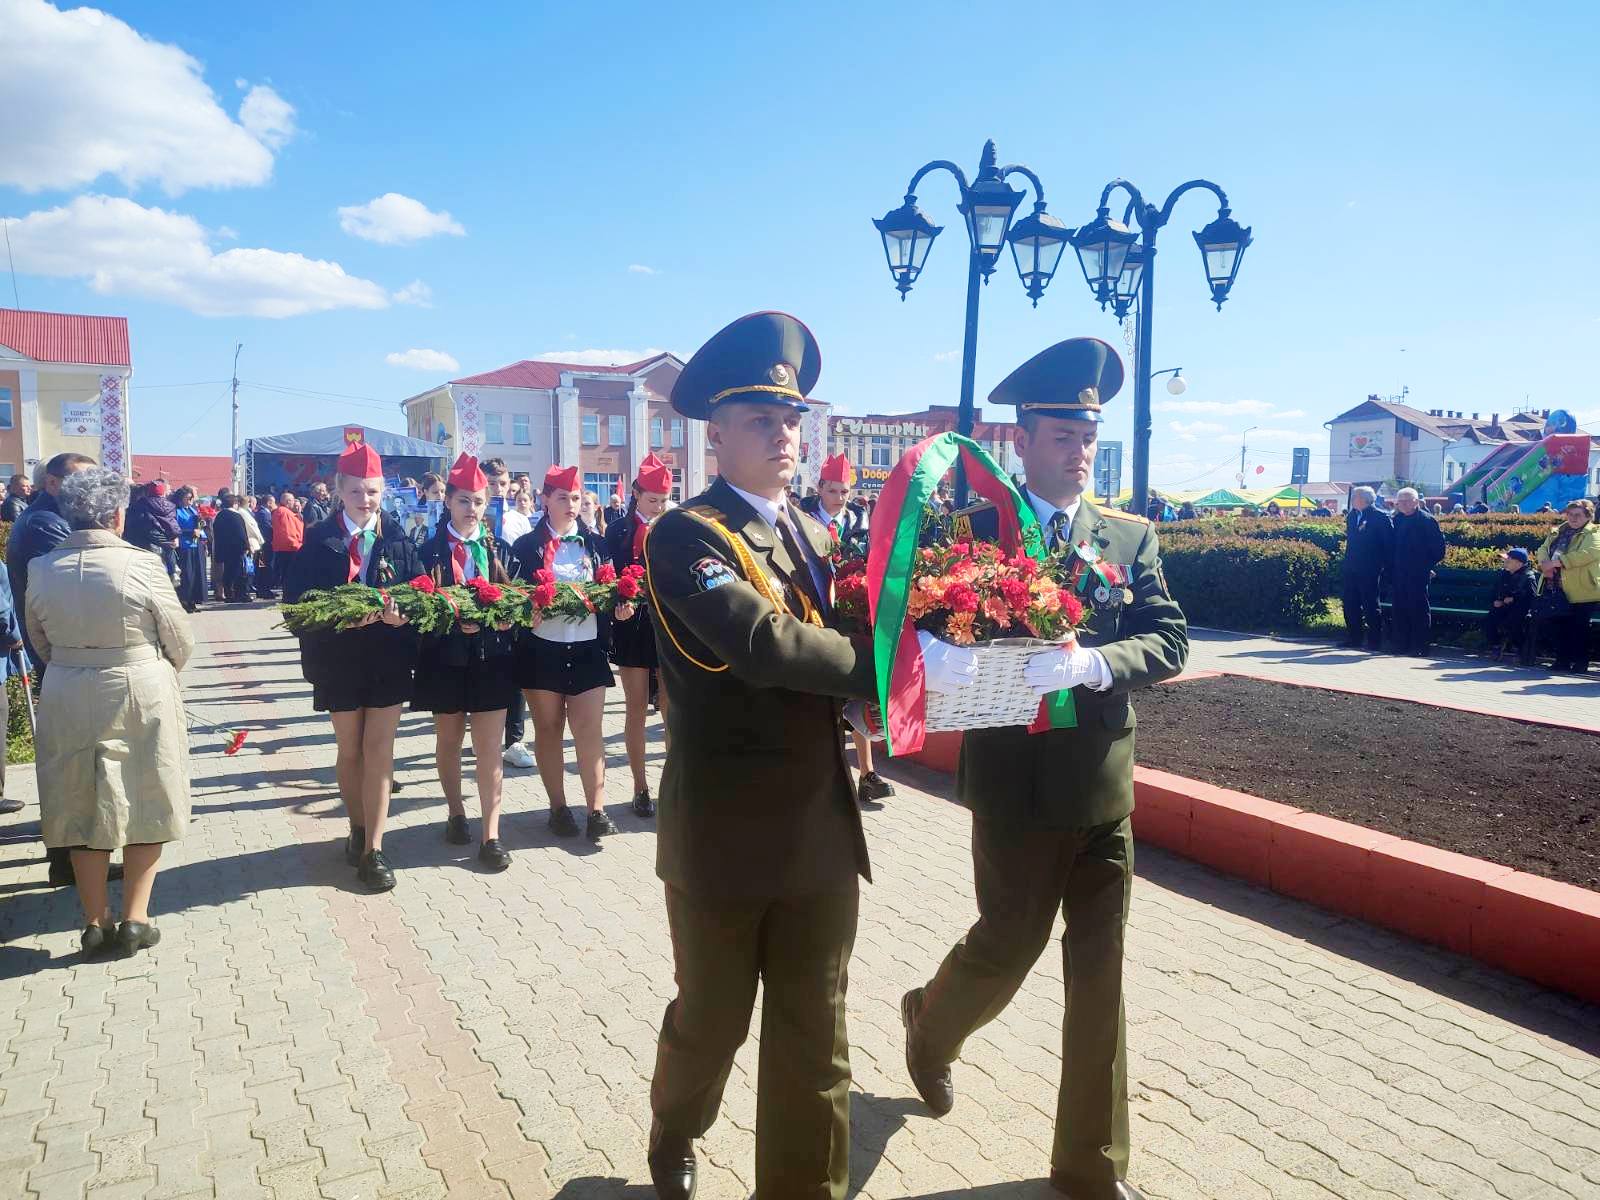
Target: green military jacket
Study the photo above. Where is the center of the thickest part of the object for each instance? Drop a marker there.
(1081, 777)
(756, 797)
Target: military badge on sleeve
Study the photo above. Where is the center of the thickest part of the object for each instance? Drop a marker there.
(710, 572)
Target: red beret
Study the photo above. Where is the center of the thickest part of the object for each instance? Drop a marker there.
(836, 468)
(561, 479)
(654, 476)
(467, 475)
(360, 461)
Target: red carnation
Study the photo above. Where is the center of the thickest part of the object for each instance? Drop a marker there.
(544, 595)
(486, 592)
(628, 587)
(961, 549)
(634, 572)
(961, 598)
(544, 576)
(1072, 608)
(236, 741)
(605, 574)
(423, 584)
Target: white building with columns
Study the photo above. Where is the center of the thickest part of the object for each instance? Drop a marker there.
(604, 419)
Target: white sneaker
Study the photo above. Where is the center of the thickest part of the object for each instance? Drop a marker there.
(518, 755)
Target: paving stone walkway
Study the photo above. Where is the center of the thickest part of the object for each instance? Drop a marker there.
(492, 1036)
(1448, 680)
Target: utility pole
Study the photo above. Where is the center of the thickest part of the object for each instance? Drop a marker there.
(233, 459)
(1242, 438)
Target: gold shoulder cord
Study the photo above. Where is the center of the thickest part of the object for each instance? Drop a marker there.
(754, 576)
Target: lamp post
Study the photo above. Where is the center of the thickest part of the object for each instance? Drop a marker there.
(1242, 443)
(1119, 266)
(987, 207)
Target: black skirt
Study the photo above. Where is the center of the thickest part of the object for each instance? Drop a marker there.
(381, 687)
(633, 643)
(567, 668)
(482, 685)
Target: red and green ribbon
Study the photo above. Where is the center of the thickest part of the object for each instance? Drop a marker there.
(893, 546)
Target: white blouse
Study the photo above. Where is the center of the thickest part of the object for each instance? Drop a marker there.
(571, 565)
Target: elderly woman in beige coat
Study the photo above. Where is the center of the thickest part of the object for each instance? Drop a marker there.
(113, 750)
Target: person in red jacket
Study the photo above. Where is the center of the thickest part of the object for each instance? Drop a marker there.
(288, 535)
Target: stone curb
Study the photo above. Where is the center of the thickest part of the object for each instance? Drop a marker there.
(1537, 928)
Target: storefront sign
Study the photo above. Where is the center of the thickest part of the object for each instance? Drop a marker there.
(853, 427)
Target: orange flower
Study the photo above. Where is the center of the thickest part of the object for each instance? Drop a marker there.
(995, 609)
(958, 629)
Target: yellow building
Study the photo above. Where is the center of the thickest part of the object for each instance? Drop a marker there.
(63, 387)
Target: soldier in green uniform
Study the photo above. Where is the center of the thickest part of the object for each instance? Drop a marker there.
(759, 839)
(1050, 810)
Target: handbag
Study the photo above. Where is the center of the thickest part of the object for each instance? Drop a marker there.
(1550, 600)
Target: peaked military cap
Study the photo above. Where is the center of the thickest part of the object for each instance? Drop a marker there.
(1071, 379)
(764, 358)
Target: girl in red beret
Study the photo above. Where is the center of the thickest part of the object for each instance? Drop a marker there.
(633, 642)
(467, 672)
(561, 665)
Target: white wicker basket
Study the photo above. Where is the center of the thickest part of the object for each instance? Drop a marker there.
(999, 695)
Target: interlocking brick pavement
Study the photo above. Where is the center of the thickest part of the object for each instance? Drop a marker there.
(472, 1035)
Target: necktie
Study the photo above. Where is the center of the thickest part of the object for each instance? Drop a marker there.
(1056, 531)
(360, 543)
(801, 553)
(460, 548)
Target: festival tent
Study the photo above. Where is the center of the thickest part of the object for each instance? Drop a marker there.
(297, 460)
(1223, 498)
(1288, 497)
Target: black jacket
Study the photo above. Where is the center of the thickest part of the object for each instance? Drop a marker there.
(454, 648)
(324, 562)
(527, 556)
(1517, 587)
(854, 523)
(1418, 544)
(13, 508)
(228, 535)
(152, 524)
(1369, 540)
(619, 543)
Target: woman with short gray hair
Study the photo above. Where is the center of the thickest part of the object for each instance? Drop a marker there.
(113, 751)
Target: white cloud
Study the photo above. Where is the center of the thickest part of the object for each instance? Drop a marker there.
(944, 356)
(1289, 414)
(394, 220)
(423, 360)
(597, 358)
(123, 249)
(1214, 407)
(641, 269)
(1189, 431)
(1295, 436)
(416, 292)
(87, 95)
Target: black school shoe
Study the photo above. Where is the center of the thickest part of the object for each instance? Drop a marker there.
(562, 823)
(134, 936)
(493, 855)
(376, 872)
(600, 825)
(96, 939)
(456, 831)
(643, 806)
(874, 787)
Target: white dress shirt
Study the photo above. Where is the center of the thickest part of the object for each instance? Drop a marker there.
(571, 564)
(767, 510)
(513, 525)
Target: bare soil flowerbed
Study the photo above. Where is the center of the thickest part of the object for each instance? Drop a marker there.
(1525, 796)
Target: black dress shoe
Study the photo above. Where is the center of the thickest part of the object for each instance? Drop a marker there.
(134, 936)
(600, 825)
(355, 846)
(97, 938)
(932, 1082)
(562, 823)
(873, 787)
(10, 806)
(672, 1169)
(455, 830)
(376, 872)
(643, 806)
(493, 855)
(1125, 1190)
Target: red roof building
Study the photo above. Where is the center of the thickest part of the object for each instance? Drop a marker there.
(206, 473)
(63, 387)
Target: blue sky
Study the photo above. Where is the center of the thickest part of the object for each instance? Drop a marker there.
(1420, 178)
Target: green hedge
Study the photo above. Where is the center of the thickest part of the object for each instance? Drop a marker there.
(1246, 583)
(1490, 531)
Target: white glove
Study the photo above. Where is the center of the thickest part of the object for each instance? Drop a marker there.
(946, 668)
(1070, 666)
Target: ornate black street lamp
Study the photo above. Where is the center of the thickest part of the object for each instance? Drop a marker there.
(1119, 266)
(987, 207)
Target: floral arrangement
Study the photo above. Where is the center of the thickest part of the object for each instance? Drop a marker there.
(433, 609)
(967, 592)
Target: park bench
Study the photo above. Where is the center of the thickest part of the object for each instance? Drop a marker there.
(1463, 592)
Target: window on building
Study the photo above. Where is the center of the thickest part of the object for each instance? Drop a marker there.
(519, 429)
(617, 430)
(493, 429)
(601, 484)
(7, 416)
(677, 433)
(881, 451)
(591, 429)
(7, 470)
(657, 432)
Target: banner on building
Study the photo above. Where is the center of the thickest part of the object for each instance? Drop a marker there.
(81, 420)
(470, 424)
(113, 424)
(1367, 443)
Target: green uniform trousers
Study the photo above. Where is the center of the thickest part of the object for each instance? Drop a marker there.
(1021, 877)
(799, 947)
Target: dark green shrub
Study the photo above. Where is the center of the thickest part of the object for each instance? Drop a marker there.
(1246, 583)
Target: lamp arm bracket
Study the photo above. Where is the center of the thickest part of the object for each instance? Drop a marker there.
(1038, 188)
(937, 164)
(1135, 198)
(1222, 197)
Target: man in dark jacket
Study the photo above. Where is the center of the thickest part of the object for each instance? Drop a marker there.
(318, 508)
(16, 501)
(232, 544)
(152, 524)
(1368, 551)
(1418, 548)
(1507, 622)
(41, 529)
(266, 570)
